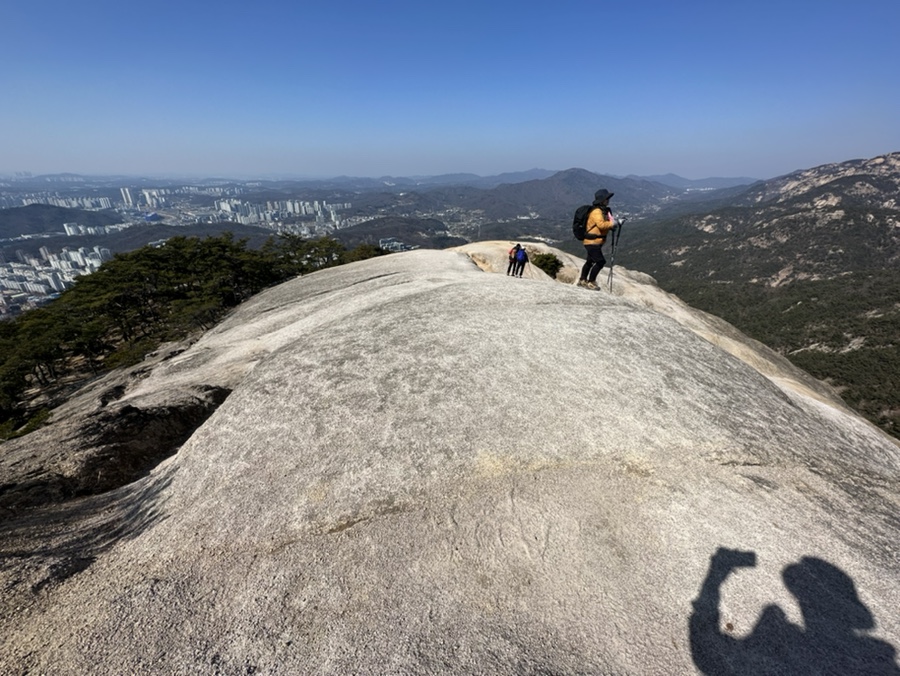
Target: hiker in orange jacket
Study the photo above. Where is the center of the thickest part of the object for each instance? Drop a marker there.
(600, 221)
(513, 264)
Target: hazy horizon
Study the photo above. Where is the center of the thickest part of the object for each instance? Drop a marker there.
(412, 89)
(173, 176)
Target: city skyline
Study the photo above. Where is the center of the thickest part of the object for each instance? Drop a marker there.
(699, 89)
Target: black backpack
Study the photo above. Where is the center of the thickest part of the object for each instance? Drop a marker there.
(579, 223)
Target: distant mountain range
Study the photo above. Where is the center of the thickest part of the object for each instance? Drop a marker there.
(516, 205)
(390, 183)
(487, 182)
(814, 224)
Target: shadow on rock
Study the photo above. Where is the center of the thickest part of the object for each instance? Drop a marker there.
(47, 546)
(830, 642)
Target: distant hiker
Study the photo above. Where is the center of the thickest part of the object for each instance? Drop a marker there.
(521, 259)
(513, 264)
(599, 222)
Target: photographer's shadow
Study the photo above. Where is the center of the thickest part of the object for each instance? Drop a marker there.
(830, 642)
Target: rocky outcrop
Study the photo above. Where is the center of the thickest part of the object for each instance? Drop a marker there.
(94, 443)
(424, 467)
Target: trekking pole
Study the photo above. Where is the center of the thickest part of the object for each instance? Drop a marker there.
(617, 232)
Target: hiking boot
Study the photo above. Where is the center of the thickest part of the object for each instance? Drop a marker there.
(581, 282)
(591, 285)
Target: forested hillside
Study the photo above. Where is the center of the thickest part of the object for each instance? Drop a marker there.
(135, 302)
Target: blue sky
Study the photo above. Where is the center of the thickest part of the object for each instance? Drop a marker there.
(402, 88)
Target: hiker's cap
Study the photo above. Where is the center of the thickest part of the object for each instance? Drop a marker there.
(602, 195)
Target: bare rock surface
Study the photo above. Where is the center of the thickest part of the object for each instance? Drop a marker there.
(423, 467)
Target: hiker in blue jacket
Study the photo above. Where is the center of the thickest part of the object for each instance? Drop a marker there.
(521, 259)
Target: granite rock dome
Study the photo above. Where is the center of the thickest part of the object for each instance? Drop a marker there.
(413, 464)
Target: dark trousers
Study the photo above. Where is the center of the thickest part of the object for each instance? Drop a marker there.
(511, 268)
(594, 264)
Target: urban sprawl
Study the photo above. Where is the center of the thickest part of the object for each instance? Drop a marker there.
(28, 280)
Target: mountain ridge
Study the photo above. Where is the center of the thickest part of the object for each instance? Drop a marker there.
(710, 183)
